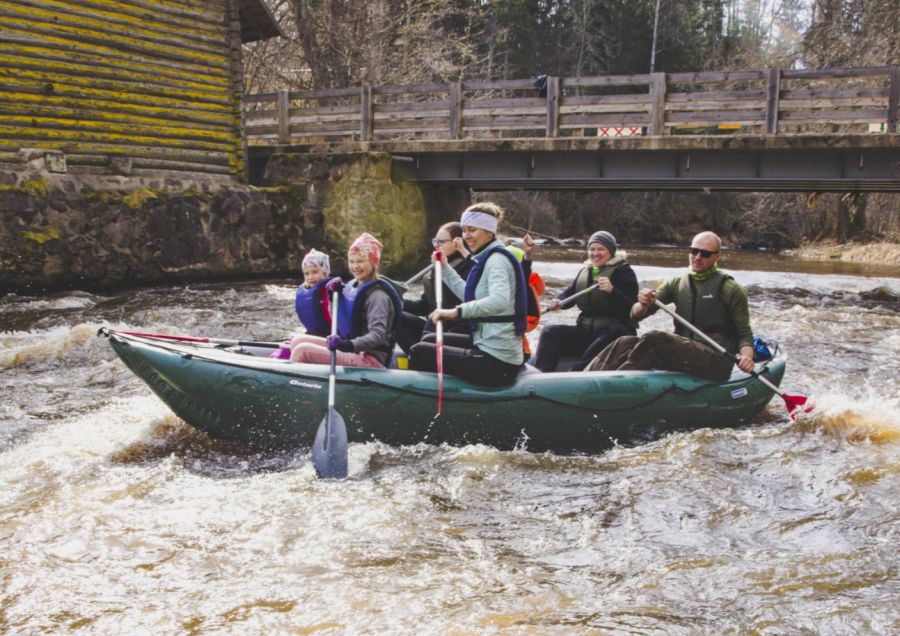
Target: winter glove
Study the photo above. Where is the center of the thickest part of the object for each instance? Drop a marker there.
(336, 343)
(334, 285)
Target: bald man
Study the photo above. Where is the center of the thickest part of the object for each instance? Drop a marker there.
(707, 298)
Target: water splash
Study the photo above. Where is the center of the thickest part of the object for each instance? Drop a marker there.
(21, 348)
(874, 419)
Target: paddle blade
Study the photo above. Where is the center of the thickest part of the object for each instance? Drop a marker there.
(795, 402)
(329, 451)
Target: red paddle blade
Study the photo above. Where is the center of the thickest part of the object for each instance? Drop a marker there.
(794, 402)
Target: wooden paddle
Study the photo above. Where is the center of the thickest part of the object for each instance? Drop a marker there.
(329, 450)
(439, 329)
(791, 402)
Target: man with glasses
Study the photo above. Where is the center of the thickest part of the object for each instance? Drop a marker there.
(707, 298)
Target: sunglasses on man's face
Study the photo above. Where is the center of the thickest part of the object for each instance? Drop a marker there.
(703, 253)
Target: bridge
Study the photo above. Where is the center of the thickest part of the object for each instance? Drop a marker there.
(771, 130)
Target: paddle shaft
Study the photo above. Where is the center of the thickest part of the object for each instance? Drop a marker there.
(218, 341)
(439, 330)
(417, 277)
(333, 371)
(568, 300)
(715, 345)
(527, 231)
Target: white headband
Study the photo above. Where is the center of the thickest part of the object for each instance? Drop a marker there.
(481, 220)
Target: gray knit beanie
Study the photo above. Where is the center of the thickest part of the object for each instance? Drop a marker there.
(606, 239)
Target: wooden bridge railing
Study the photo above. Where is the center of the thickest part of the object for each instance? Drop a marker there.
(744, 102)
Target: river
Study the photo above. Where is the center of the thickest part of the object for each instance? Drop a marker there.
(118, 518)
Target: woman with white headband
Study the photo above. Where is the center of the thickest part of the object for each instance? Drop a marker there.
(494, 301)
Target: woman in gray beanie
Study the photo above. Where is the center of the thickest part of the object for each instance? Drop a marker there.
(604, 310)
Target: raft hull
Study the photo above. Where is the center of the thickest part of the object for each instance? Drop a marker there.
(238, 397)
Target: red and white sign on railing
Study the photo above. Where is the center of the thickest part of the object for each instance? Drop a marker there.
(619, 131)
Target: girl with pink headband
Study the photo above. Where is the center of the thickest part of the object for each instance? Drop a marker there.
(367, 314)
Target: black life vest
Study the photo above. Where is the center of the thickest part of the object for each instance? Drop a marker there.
(596, 308)
(462, 266)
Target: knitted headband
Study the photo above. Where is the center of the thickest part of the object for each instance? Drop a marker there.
(606, 239)
(368, 245)
(315, 258)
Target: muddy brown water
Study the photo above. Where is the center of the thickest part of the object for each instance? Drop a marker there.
(116, 517)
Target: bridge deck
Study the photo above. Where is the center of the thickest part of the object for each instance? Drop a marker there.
(823, 163)
(832, 129)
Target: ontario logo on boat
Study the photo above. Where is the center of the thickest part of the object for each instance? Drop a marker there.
(308, 385)
(739, 393)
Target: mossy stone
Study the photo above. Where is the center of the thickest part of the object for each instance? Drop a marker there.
(364, 199)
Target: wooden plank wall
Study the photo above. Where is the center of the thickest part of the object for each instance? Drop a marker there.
(150, 83)
(716, 102)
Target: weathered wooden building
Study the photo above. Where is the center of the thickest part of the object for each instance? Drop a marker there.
(126, 86)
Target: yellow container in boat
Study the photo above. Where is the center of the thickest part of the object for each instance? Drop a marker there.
(402, 362)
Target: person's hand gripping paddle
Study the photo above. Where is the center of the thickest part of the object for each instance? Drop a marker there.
(329, 451)
(791, 402)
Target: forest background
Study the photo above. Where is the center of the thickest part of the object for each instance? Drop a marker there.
(340, 43)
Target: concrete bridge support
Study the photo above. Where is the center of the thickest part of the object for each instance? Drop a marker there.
(367, 192)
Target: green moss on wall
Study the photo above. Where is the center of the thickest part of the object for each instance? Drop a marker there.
(36, 188)
(364, 199)
(106, 197)
(50, 234)
(138, 197)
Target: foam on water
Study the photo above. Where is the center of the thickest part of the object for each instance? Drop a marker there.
(281, 293)
(22, 347)
(873, 418)
(72, 300)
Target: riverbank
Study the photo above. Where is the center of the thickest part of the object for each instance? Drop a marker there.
(882, 253)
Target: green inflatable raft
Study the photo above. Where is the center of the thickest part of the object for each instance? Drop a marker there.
(238, 393)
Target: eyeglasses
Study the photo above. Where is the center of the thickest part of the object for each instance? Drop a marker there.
(438, 242)
(703, 253)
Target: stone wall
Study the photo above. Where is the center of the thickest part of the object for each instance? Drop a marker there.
(64, 231)
(71, 231)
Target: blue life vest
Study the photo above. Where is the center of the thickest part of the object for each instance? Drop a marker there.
(521, 301)
(311, 304)
(352, 307)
